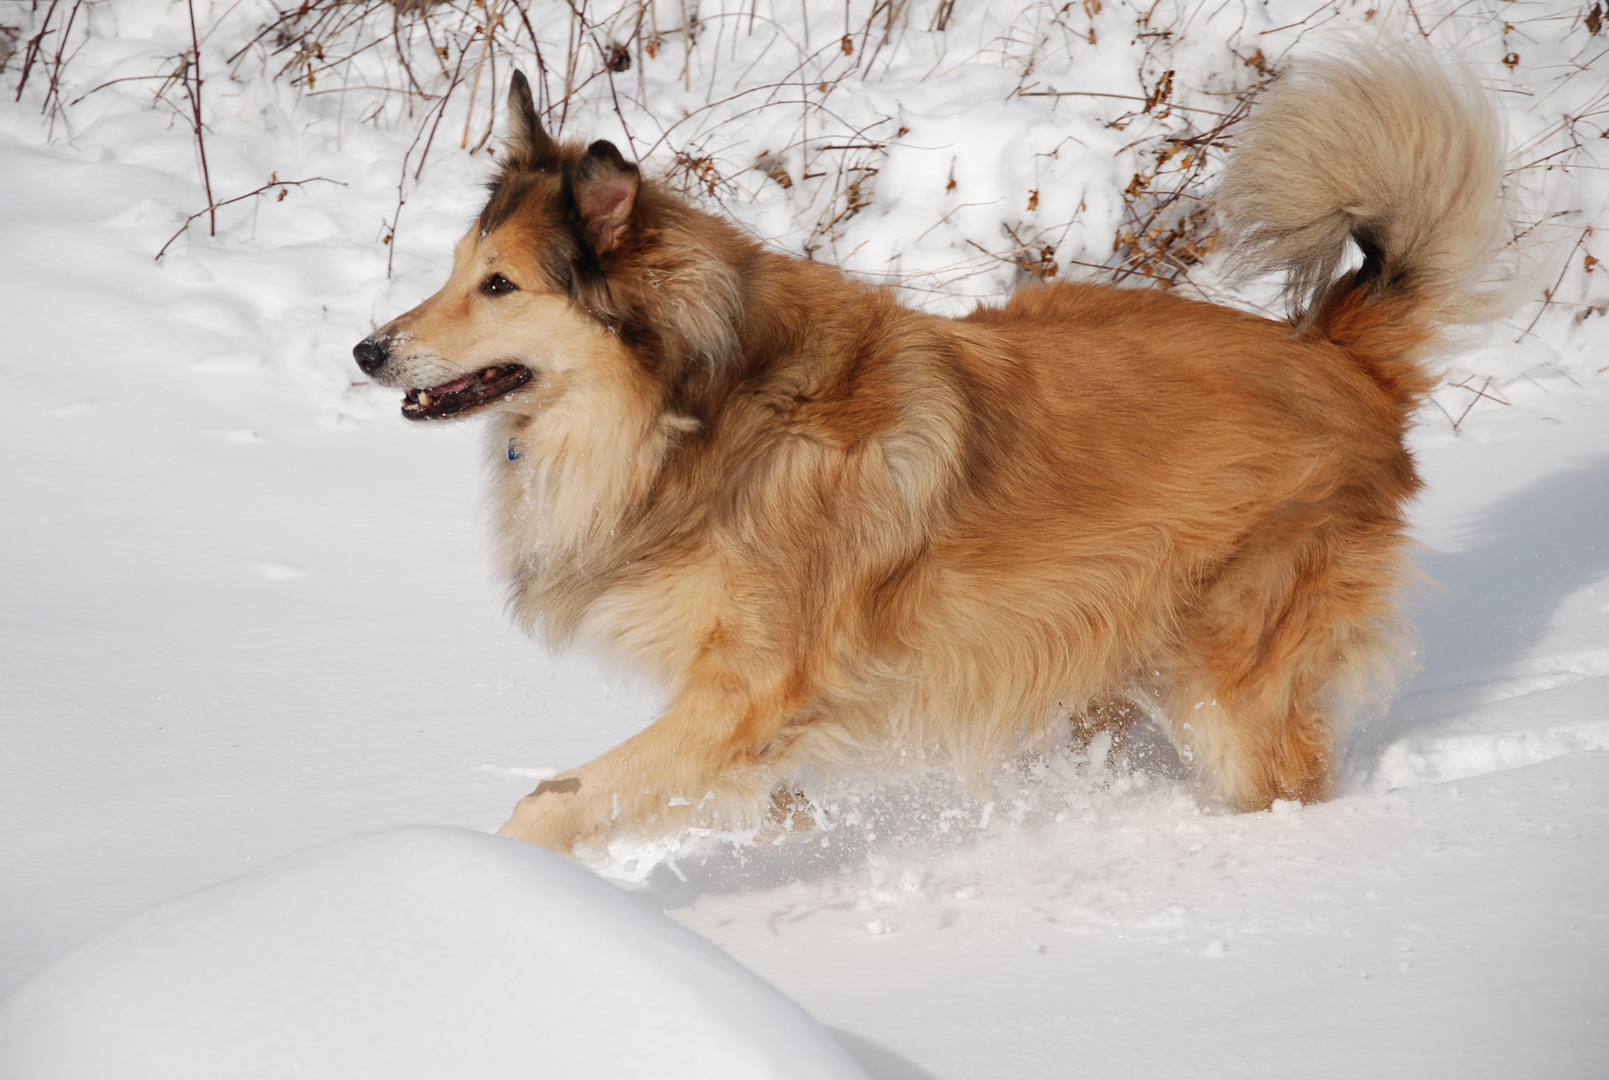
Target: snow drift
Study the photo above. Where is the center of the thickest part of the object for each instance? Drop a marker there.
(413, 952)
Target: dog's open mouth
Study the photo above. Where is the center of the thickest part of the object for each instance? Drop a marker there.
(465, 394)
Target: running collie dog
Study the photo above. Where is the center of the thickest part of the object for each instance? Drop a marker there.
(829, 522)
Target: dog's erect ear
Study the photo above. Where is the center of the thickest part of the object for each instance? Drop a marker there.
(605, 192)
(528, 146)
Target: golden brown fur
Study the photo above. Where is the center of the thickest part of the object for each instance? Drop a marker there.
(826, 520)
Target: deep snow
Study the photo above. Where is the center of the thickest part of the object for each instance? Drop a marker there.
(246, 610)
(409, 953)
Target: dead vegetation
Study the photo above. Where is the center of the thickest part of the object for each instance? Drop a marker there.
(784, 105)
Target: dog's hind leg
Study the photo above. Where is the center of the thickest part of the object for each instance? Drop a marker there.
(1269, 660)
(1264, 743)
(717, 747)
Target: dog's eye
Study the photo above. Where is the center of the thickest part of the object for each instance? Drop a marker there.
(497, 284)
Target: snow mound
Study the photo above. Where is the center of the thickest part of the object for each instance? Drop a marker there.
(413, 952)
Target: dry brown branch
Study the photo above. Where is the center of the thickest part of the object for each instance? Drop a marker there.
(32, 49)
(192, 87)
(1480, 393)
(1547, 294)
(212, 208)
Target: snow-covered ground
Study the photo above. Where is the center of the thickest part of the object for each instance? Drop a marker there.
(413, 952)
(245, 608)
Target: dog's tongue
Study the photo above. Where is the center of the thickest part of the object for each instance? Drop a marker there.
(464, 394)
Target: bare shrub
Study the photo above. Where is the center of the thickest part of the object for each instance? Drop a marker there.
(812, 114)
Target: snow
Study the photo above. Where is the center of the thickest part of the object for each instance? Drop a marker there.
(246, 610)
(1448, 930)
(414, 952)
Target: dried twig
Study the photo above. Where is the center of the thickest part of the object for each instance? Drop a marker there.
(35, 44)
(53, 94)
(213, 208)
(201, 140)
(1479, 393)
(1548, 293)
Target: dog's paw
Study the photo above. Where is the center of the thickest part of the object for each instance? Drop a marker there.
(551, 816)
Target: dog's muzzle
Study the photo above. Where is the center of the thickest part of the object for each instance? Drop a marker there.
(372, 352)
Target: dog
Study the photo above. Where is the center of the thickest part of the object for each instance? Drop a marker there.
(829, 522)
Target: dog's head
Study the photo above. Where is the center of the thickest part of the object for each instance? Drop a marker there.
(573, 267)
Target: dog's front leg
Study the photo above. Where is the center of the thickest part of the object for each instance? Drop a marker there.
(717, 745)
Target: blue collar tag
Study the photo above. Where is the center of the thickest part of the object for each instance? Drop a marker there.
(513, 450)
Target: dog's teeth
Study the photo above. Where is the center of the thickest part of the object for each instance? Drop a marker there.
(424, 401)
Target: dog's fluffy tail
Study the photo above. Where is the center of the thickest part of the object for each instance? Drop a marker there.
(1377, 145)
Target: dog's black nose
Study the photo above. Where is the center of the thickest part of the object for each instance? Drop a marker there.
(372, 352)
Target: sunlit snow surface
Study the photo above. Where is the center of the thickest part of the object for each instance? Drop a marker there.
(246, 612)
(409, 953)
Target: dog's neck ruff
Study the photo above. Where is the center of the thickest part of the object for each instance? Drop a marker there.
(563, 483)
